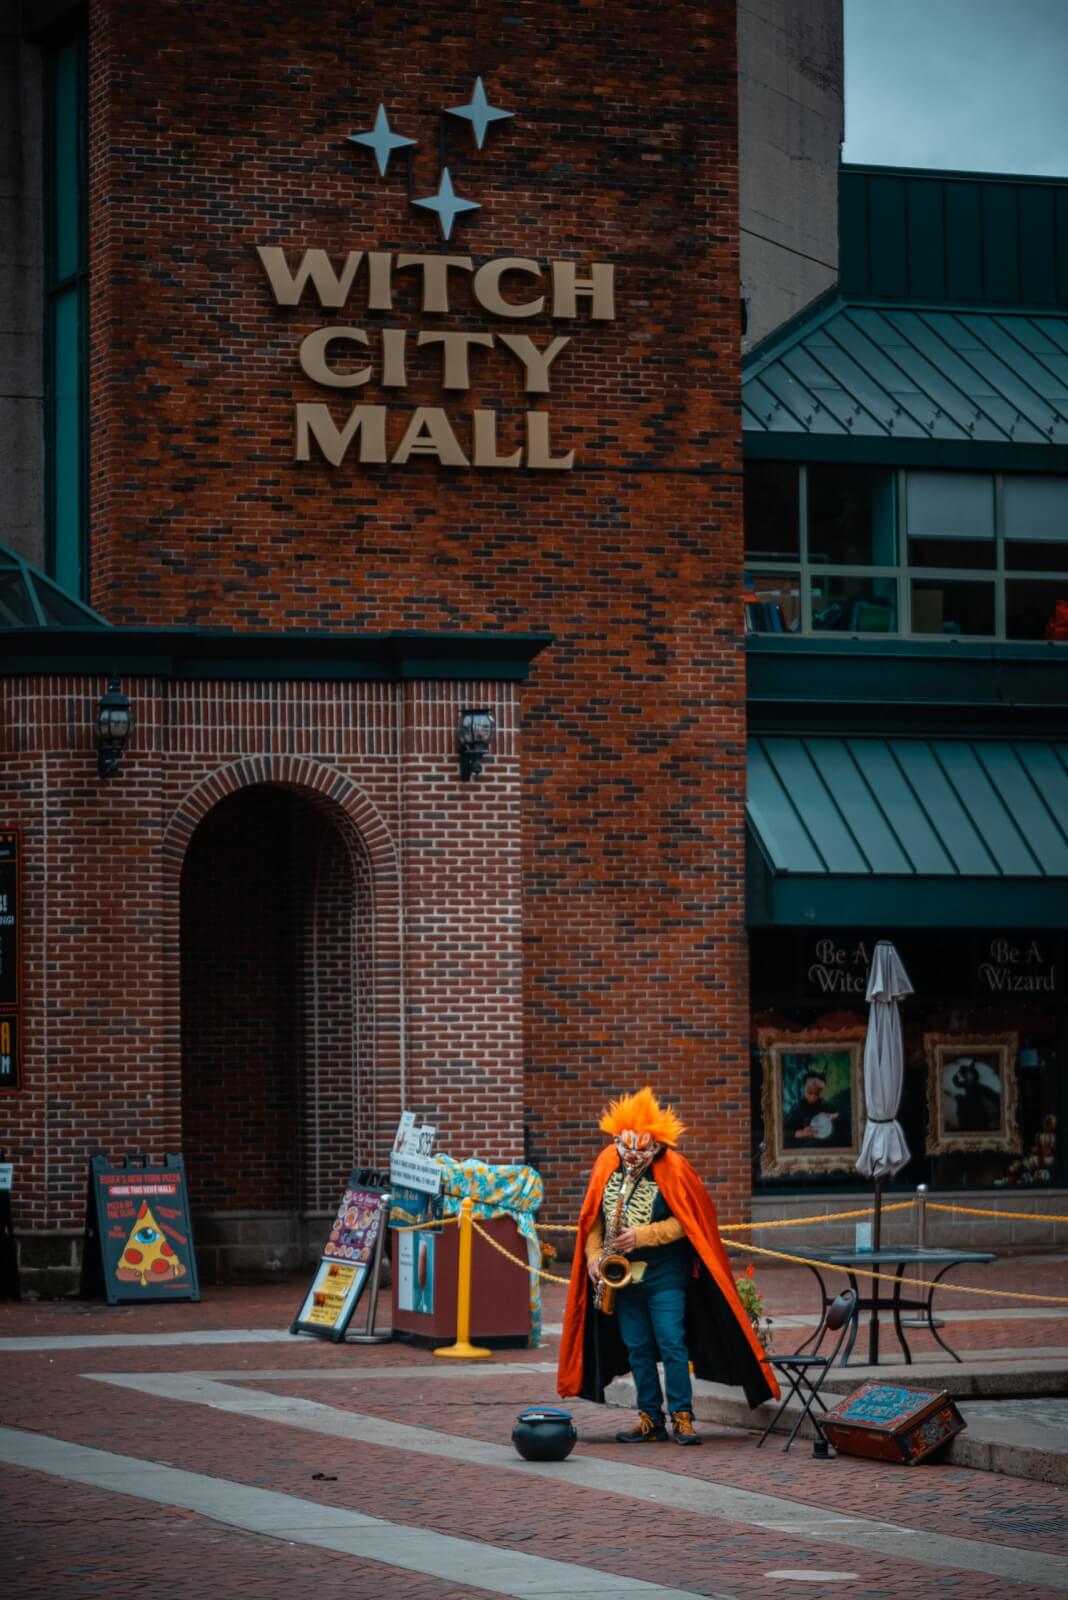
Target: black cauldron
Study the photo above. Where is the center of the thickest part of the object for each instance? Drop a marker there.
(542, 1433)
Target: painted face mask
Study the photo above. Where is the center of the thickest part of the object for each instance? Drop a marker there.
(636, 1151)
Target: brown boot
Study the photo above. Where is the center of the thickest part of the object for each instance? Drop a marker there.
(647, 1430)
(683, 1429)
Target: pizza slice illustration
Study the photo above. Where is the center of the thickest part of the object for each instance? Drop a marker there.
(148, 1258)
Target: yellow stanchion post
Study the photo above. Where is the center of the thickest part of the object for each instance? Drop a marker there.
(463, 1349)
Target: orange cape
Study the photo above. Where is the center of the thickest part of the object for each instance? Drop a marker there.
(719, 1335)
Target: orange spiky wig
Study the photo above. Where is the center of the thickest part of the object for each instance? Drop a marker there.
(644, 1113)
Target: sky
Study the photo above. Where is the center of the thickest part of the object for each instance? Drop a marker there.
(972, 85)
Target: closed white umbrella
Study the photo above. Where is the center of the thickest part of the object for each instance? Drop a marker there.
(884, 1150)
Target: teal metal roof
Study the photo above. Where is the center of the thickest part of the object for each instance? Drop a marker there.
(908, 831)
(970, 238)
(862, 371)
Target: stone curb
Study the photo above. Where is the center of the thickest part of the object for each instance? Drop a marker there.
(1011, 1447)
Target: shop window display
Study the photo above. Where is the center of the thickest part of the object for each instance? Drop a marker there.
(983, 1100)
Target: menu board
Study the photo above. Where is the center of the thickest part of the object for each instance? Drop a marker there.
(351, 1255)
(138, 1238)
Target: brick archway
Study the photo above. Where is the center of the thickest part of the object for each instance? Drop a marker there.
(372, 886)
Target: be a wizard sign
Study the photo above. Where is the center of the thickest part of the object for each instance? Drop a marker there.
(138, 1240)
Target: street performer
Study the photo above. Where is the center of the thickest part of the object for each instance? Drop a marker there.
(650, 1276)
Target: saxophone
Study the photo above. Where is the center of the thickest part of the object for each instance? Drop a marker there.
(613, 1269)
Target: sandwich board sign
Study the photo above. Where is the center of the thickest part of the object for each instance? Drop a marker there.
(138, 1238)
(351, 1258)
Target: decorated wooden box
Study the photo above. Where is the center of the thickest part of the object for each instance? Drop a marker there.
(891, 1423)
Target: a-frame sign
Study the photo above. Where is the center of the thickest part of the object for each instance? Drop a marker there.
(138, 1238)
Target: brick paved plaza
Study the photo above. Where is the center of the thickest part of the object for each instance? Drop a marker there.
(129, 1429)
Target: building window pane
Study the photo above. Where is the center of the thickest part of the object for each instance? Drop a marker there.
(1036, 524)
(950, 505)
(952, 606)
(15, 608)
(772, 522)
(853, 605)
(773, 602)
(1037, 509)
(67, 290)
(66, 162)
(1036, 608)
(66, 441)
(950, 519)
(851, 516)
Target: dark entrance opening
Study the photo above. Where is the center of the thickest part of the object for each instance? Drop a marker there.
(269, 1024)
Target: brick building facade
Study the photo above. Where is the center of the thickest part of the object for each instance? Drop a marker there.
(285, 917)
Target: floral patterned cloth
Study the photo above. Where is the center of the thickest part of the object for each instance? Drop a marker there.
(505, 1191)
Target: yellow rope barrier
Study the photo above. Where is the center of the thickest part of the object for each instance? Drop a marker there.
(824, 1216)
(778, 1222)
(889, 1277)
(535, 1272)
(1013, 1216)
(422, 1227)
(807, 1261)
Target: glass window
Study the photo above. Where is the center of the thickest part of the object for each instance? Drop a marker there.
(853, 605)
(66, 160)
(984, 555)
(66, 440)
(1036, 608)
(772, 511)
(67, 274)
(950, 505)
(773, 602)
(15, 608)
(952, 606)
(1036, 524)
(949, 518)
(851, 516)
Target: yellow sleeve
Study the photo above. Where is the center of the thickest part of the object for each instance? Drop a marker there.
(595, 1237)
(652, 1233)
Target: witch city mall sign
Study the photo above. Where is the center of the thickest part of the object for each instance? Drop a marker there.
(344, 356)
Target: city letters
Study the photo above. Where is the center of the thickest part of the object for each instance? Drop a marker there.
(349, 356)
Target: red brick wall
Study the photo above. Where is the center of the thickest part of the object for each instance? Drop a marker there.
(118, 1058)
(217, 129)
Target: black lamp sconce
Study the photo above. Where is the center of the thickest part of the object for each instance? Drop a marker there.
(114, 724)
(474, 735)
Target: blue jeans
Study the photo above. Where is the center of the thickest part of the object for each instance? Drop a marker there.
(652, 1320)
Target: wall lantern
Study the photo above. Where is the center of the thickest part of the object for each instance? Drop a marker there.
(474, 735)
(114, 723)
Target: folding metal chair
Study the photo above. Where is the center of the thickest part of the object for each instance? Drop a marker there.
(802, 1369)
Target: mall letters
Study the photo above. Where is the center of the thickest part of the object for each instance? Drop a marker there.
(343, 356)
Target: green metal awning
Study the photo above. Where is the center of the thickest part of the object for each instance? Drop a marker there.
(907, 832)
(912, 385)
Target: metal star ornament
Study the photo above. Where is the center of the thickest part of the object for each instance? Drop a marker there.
(447, 204)
(479, 113)
(382, 140)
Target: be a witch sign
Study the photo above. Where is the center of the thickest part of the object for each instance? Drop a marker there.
(138, 1240)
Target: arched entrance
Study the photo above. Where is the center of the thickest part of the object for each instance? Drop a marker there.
(275, 974)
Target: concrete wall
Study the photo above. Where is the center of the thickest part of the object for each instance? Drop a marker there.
(21, 289)
(790, 131)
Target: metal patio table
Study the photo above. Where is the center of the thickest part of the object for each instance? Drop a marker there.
(899, 1260)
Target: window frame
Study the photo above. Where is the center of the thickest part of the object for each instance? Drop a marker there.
(66, 547)
(901, 573)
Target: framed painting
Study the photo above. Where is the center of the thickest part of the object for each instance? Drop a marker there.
(971, 1092)
(813, 1101)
